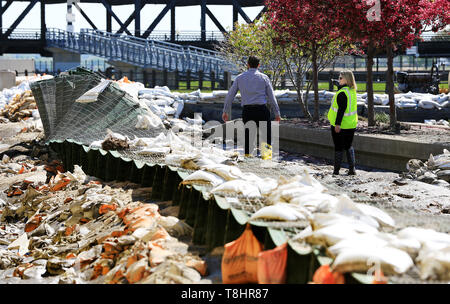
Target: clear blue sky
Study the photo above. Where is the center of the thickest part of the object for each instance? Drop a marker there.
(187, 18)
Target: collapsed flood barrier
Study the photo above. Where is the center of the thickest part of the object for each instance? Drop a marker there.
(216, 220)
(71, 126)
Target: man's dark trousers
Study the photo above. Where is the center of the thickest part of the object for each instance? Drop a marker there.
(256, 113)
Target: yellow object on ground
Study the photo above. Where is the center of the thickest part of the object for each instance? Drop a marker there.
(266, 151)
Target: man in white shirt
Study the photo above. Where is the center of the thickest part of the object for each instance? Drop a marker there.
(256, 90)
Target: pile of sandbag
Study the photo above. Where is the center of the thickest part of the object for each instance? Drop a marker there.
(162, 102)
(436, 170)
(354, 234)
(17, 103)
(28, 79)
(21, 106)
(433, 122)
(8, 95)
(411, 100)
(282, 96)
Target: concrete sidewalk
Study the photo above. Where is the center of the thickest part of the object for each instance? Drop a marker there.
(376, 151)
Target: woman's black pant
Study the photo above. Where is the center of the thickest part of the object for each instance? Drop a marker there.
(342, 140)
(256, 113)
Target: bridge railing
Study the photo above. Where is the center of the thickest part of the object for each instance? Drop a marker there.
(138, 51)
(442, 36)
(63, 39)
(22, 34)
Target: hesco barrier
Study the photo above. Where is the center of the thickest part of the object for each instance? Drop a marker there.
(216, 220)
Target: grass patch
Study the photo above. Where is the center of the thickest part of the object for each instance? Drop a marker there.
(378, 87)
(382, 117)
(206, 87)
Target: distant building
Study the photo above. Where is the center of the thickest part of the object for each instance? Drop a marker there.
(17, 65)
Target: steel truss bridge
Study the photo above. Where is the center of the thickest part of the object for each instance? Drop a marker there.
(147, 48)
(203, 38)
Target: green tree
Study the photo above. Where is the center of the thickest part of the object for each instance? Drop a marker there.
(310, 35)
(254, 39)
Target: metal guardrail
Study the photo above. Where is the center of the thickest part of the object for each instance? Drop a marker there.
(23, 34)
(138, 51)
(431, 37)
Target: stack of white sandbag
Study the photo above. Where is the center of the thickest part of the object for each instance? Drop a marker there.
(31, 78)
(352, 233)
(353, 236)
(412, 100)
(433, 122)
(162, 102)
(131, 87)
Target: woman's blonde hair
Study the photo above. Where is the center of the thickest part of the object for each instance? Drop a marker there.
(349, 78)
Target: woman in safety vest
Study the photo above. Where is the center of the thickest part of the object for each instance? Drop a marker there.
(343, 118)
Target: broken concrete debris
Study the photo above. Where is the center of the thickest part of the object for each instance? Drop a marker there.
(436, 170)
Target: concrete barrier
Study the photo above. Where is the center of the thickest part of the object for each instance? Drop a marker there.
(7, 79)
(375, 151)
(19, 65)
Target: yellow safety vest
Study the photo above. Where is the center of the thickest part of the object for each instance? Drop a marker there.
(350, 119)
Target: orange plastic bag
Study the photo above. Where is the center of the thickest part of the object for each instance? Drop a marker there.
(324, 275)
(240, 259)
(272, 265)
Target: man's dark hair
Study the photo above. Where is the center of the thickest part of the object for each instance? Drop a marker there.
(253, 62)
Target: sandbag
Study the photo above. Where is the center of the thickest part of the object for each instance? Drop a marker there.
(424, 235)
(410, 104)
(203, 177)
(363, 240)
(220, 93)
(265, 185)
(169, 110)
(332, 234)
(240, 259)
(237, 186)
(347, 207)
(316, 202)
(145, 122)
(162, 102)
(429, 104)
(272, 265)
(434, 261)
(224, 171)
(382, 217)
(178, 105)
(282, 212)
(154, 150)
(391, 260)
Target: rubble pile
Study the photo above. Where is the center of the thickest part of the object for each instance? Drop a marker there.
(67, 227)
(434, 171)
(21, 107)
(17, 103)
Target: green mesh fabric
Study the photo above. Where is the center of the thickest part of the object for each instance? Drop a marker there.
(63, 118)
